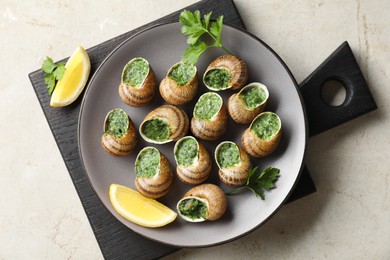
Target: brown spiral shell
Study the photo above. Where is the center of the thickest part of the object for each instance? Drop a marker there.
(213, 128)
(158, 185)
(256, 146)
(239, 112)
(236, 67)
(199, 171)
(176, 118)
(119, 146)
(137, 96)
(238, 174)
(213, 196)
(175, 94)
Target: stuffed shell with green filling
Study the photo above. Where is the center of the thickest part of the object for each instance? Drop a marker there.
(245, 105)
(192, 159)
(263, 135)
(210, 117)
(154, 174)
(180, 84)
(119, 133)
(138, 83)
(164, 124)
(233, 163)
(226, 72)
(201, 203)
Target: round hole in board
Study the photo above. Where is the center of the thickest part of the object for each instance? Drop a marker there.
(333, 92)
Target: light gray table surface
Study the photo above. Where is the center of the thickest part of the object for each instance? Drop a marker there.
(347, 218)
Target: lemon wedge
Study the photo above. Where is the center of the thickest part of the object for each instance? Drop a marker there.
(70, 86)
(139, 209)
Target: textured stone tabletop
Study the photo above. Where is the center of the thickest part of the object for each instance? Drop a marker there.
(347, 218)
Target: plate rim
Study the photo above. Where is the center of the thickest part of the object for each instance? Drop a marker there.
(291, 76)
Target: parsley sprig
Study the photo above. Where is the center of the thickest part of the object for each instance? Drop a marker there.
(194, 27)
(258, 181)
(53, 73)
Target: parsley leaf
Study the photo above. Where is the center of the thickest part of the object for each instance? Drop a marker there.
(216, 30)
(258, 182)
(48, 65)
(268, 177)
(192, 53)
(193, 26)
(50, 82)
(52, 73)
(59, 71)
(206, 19)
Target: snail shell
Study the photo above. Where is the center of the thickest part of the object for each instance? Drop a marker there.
(193, 171)
(178, 93)
(137, 93)
(236, 68)
(209, 128)
(123, 144)
(159, 184)
(211, 196)
(237, 171)
(261, 146)
(173, 117)
(240, 110)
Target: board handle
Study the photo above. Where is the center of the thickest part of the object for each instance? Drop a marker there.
(340, 66)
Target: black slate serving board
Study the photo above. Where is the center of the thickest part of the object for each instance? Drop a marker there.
(117, 241)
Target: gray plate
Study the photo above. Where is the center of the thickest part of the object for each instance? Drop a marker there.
(163, 46)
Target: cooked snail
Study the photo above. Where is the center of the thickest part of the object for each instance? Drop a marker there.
(263, 135)
(138, 83)
(203, 202)
(154, 174)
(210, 117)
(164, 124)
(119, 133)
(180, 84)
(226, 72)
(245, 105)
(233, 162)
(192, 159)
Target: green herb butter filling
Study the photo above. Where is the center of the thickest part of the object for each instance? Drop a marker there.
(217, 78)
(253, 96)
(147, 163)
(193, 208)
(136, 72)
(156, 129)
(266, 125)
(117, 123)
(186, 151)
(182, 73)
(208, 106)
(228, 155)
